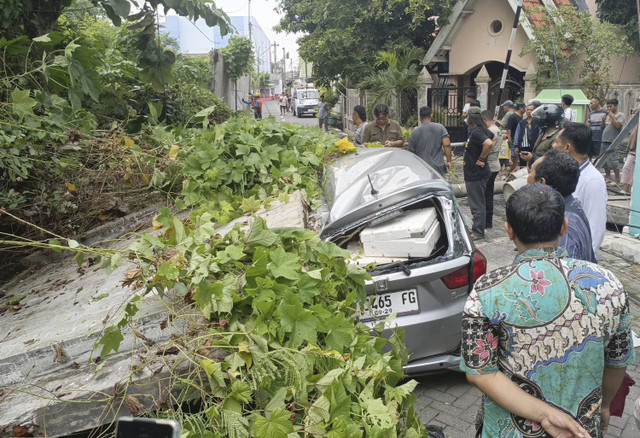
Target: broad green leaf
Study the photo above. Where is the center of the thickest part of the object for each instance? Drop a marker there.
(241, 391)
(56, 243)
(120, 7)
(278, 425)
(277, 401)
(23, 103)
(378, 414)
(284, 264)
(260, 235)
(298, 322)
(110, 341)
(168, 270)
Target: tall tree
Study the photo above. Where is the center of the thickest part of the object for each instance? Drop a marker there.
(238, 60)
(583, 48)
(33, 18)
(623, 13)
(399, 76)
(342, 38)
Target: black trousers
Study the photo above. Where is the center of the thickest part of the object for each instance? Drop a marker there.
(488, 200)
(477, 204)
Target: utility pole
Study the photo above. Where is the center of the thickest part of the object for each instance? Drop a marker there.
(284, 68)
(249, 1)
(275, 56)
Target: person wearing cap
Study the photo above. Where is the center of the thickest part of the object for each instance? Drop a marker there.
(257, 106)
(252, 102)
(509, 106)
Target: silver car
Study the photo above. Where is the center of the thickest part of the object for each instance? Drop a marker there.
(422, 275)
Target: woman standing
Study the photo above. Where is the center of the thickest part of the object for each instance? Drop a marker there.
(477, 172)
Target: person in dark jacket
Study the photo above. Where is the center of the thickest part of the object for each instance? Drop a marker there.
(561, 171)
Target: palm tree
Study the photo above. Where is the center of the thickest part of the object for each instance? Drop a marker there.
(400, 75)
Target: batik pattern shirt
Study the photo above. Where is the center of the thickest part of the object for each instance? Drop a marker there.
(549, 323)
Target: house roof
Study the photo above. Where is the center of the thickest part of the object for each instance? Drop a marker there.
(538, 19)
(464, 8)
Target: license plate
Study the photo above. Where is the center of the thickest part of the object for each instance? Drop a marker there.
(382, 305)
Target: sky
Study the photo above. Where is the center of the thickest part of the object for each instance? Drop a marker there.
(263, 11)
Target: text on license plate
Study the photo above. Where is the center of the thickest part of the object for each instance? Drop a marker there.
(383, 305)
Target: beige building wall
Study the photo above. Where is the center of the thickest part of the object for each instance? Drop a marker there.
(476, 45)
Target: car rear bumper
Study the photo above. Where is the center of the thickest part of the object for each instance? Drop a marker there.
(443, 362)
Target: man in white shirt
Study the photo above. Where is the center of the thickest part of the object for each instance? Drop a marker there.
(591, 191)
(567, 100)
(471, 96)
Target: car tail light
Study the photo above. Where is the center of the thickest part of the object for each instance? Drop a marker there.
(479, 265)
(460, 278)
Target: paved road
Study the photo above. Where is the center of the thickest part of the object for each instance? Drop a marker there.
(449, 401)
(271, 108)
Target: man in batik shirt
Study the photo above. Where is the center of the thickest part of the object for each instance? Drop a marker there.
(547, 339)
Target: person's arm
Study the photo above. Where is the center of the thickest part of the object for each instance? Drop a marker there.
(615, 122)
(514, 399)
(611, 381)
(633, 139)
(516, 140)
(412, 143)
(486, 148)
(446, 144)
(394, 143)
(366, 136)
(603, 123)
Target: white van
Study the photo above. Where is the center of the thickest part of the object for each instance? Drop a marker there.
(306, 102)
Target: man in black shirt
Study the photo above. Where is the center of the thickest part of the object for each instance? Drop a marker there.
(511, 127)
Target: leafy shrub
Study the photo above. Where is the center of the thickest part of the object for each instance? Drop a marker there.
(278, 304)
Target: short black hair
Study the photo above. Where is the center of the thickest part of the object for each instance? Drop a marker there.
(381, 109)
(425, 112)
(559, 170)
(521, 106)
(535, 103)
(475, 103)
(487, 115)
(535, 212)
(613, 102)
(578, 134)
(472, 95)
(361, 111)
(567, 99)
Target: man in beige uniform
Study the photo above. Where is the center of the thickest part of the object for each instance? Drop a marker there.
(384, 131)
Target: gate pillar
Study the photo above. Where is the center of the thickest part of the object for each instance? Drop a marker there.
(482, 81)
(529, 88)
(425, 82)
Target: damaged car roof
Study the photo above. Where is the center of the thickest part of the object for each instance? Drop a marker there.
(372, 180)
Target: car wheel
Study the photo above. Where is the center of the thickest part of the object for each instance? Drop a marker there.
(299, 115)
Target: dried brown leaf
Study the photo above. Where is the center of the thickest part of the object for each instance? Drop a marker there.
(168, 351)
(133, 404)
(131, 277)
(30, 341)
(163, 324)
(21, 431)
(147, 341)
(60, 355)
(75, 365)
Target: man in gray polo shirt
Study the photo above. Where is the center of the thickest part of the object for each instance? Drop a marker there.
(428, 141)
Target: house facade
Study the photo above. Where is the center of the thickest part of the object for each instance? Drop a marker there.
(469, 52)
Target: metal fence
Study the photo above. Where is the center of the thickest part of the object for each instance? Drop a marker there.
(447, 104)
